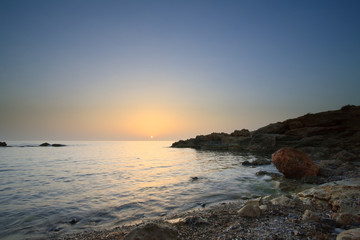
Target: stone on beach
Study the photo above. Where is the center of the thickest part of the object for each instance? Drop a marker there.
(352, 234)
(250, 210)
(152, 231)
(294, 163)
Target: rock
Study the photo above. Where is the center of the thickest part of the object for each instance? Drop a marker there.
(256, 162)
(345, 156)
(250, 211)
(282, 200)
(294, 163)
(309, 215)
(295, 124)
(58, 145)
(45, 144)
(272, 175)
(73, 221)
(152, 231)
(324, 135)
(262, 143)
(196, 220)
(3, 144)
(255, 202)
(344, 219)
(246, 163)
(352, 234)
(342, 196)
(263, 207)
(241, 133)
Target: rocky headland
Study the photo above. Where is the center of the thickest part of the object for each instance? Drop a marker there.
(331, 134)
(317, 156)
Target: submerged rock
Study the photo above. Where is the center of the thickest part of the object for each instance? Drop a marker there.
(294, 163)
(152, 231)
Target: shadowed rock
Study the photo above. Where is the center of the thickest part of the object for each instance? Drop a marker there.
(331, 134)
(45, 144)
(3, 144)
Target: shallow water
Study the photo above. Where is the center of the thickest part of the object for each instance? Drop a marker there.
(104, 184)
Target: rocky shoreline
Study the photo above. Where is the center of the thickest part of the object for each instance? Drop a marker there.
(320, 204)
(326, 211)
(325, 135)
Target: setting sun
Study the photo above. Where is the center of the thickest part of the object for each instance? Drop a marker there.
(151, 137)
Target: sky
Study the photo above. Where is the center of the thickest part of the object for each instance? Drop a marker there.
(174, 69)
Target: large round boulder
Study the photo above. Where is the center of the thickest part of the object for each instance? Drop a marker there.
(294, 163)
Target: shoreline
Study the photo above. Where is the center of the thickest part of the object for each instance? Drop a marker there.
(294, 215)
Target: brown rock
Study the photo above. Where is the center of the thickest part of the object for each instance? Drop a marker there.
(152, 231)
(309, 215)
(294, 163)
(344, 219)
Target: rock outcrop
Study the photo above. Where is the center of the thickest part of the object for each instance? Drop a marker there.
(3, 144)
(294, 163)
(331, 134)
(45, 144)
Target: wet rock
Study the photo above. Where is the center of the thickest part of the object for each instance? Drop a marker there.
(3, 144)
(352, 234)
(294, 163)
(250, 210)
(58, 145)
(309, 215)
(246, 163)
(45, 144)
(193, 179)
(272, 175)
(152, 231)
(73, 221)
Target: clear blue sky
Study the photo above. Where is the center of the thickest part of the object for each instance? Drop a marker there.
(172, 69)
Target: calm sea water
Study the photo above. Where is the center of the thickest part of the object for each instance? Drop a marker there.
(105, 184)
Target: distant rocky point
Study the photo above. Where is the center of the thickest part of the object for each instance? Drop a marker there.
(45, 144)
(3, 144)
(331, 134)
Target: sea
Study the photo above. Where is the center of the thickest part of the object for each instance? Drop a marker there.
(86, 186)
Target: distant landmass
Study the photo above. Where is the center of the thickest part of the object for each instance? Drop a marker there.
(330, 134)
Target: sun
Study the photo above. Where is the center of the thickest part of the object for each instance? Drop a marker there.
(151, 137)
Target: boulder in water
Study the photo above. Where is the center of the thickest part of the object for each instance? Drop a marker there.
(3, 144)
(45, 144)
(294, 163)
